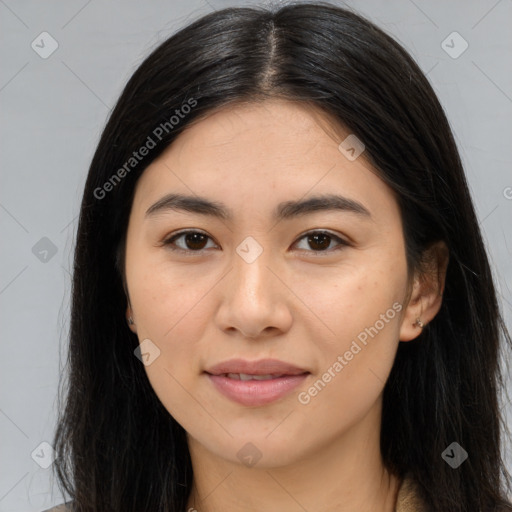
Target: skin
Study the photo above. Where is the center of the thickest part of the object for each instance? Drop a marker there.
(294, 302)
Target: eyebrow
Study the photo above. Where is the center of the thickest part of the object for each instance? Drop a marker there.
(283, 211)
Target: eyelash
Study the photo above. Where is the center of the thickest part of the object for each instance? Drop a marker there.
(169, 242)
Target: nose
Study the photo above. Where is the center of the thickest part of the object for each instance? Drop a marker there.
(255, 298)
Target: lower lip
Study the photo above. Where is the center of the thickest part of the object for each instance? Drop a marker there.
(256, 392)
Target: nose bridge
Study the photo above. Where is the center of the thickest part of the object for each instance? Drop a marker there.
(253, 296)
(251, 270)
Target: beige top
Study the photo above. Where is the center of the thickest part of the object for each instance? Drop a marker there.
(407, 500)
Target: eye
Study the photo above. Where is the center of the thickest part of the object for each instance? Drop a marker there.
(321, 241)
(195, 241)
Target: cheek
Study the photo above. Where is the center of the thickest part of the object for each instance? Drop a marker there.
(351, 297)
(353, 371)
(171, 313)
(161, 293)
(168, 311)
(361, 309)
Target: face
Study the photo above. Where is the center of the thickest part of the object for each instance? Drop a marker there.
(321, 289)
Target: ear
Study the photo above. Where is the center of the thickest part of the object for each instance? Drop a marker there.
(129, 314)
(426, 296)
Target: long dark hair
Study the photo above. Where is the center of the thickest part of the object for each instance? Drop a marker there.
(119, 448)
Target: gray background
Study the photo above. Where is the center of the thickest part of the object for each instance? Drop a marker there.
(54, 110)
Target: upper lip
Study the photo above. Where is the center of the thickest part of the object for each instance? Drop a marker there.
(261, 367)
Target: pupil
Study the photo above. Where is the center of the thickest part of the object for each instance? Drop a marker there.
(315, 240)
(193, 238)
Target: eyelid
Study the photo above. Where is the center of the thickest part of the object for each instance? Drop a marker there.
(173, 236)
(341, 241)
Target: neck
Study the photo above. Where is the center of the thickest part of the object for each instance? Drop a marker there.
(345, 475)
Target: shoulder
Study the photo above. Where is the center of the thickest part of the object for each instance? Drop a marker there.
(64, 507)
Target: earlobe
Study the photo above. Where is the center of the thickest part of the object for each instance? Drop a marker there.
(129, 319)
(413, 320)
(427, 294)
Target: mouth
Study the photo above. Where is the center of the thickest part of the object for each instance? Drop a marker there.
(255, 390)
(247, 376)
(261, 368)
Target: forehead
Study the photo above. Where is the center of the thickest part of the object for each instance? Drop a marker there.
(252, 156)
(270, 120)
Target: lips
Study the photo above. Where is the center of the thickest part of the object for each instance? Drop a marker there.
(263, 367)
(255, 383)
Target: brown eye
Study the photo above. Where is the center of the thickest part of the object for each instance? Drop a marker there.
(193, 241)
(320, 241)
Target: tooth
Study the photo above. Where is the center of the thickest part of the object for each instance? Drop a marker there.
(246, 376)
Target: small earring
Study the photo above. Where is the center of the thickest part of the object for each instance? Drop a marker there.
(130, 320)
(419, 323)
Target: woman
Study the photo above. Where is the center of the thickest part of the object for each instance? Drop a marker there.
(281, 296)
